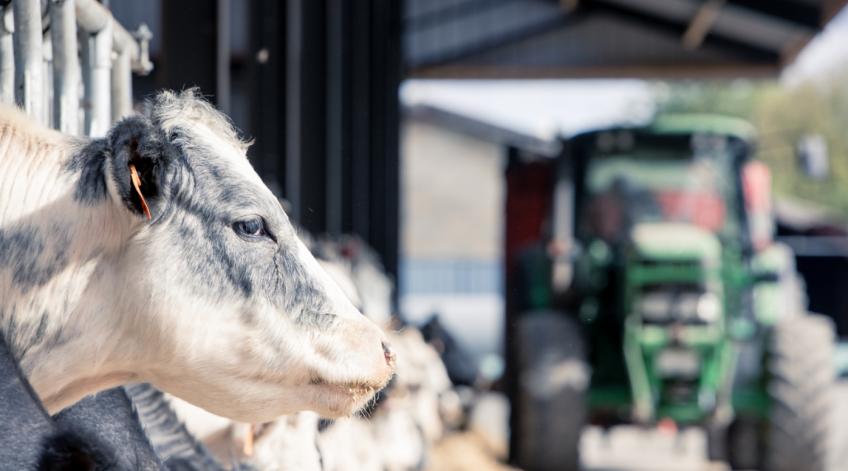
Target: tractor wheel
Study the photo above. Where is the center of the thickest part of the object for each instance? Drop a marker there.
(801, 386)
(717, 442)
(743, 441)
(553, 380)
(737, 443)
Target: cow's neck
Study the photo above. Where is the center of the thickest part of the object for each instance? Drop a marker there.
(58, 230)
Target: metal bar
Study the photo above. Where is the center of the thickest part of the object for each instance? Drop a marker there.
(294, 47)
(121, 86)
(385, 65)
(86, 53)
(7, 57)
(66, 67)
(47, 92)
(361, 121)
(94, 17)
(335, 73)
(98, 116)
(312, 117)
(222, 63)
(29, 73)
(267, 95)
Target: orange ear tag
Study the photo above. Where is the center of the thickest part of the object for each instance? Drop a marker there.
(136, 182)
(247, 448)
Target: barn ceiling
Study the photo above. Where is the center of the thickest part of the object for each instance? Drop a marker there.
(608, 38)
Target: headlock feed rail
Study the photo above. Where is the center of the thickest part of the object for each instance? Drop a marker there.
(69, 63)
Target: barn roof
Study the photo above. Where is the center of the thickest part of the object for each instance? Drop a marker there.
(608, 38)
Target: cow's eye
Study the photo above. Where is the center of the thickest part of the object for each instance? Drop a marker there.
(252, 228)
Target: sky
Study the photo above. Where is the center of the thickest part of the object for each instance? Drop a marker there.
(824, 53)
(545, 108)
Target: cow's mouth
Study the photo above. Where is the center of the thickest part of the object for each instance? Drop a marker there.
(355, 391)
(355, 388)
(346, 398)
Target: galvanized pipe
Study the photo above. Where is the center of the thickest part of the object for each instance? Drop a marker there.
(94, 17)
(29, 77)
(47, 79)
(98, 56)
(121, 86)
(7, 57)
(66, 66)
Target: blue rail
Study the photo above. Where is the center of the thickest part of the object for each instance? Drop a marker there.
(450, 276)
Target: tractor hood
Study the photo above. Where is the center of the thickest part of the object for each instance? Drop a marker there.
(674, 241)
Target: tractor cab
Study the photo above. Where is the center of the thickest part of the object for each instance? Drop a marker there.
(654, 292)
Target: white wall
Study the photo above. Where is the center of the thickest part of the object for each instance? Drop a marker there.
(452, 212)
(452, 195)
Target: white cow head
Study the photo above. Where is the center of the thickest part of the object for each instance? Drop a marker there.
(218, 297)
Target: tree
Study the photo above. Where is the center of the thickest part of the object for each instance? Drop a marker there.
(782, 116)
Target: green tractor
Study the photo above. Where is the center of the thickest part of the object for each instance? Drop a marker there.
(657, 294)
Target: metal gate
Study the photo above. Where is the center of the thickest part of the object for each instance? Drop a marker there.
(69, 63)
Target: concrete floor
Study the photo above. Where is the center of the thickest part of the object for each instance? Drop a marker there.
(636, 449)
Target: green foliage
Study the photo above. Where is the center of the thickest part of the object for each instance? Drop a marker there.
(735, 98)
(781, 115)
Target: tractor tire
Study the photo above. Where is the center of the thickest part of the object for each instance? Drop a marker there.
(737, 443)
(717, 441)
(801, 387)
(743, 443)
(553, 379)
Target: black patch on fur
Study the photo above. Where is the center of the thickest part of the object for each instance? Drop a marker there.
(21, 251)
(37, 337)
(237, 273)
(298, 292)
(89, 164)
(210, 255)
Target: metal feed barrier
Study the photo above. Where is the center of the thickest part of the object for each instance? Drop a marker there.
(69, 61)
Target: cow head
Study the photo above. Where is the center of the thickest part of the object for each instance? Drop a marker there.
(229, 308)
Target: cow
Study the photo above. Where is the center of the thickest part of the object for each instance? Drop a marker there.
(156, 254)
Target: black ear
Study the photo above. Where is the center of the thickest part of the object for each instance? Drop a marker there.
(139, 165)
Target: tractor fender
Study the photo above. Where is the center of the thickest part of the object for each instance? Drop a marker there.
(784, 297)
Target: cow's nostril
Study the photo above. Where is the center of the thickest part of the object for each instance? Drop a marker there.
(388, 353)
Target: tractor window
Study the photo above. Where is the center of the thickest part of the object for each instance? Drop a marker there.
(654, 186)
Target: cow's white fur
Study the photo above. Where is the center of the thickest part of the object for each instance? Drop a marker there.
(118, 311)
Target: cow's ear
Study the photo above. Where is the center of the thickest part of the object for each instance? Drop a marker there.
(139, 165)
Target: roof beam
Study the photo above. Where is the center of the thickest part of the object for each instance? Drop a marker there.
(663, 25)
(701, 24)
(731, 22)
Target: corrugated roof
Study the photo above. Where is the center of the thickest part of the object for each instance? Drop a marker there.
(608, 38)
